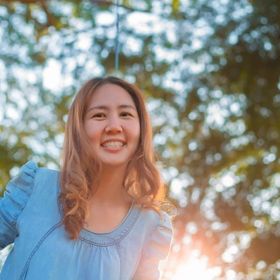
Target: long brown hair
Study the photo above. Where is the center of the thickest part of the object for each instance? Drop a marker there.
(80, 170)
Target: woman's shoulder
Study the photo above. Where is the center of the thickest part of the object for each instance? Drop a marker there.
(30, 174)
(32, 167)
(45, 189)
(155, 218)
(157, 241)
(45, 173)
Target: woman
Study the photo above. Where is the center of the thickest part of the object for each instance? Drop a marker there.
(100, 217)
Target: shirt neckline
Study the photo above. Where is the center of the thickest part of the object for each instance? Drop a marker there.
(114, 236)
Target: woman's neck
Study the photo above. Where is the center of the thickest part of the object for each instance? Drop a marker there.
(110, 190)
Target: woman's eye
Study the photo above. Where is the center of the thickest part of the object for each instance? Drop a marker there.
(126, 114)
(98, 116)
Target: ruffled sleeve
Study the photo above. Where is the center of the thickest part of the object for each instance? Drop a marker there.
(13, 202)
(155, 250)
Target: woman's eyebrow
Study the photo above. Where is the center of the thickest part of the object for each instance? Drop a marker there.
(103, 107)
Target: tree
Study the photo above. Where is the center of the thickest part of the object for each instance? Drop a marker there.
(210, 72)
(230, 111)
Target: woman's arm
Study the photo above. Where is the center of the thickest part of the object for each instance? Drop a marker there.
(156, 249)
(13, 202)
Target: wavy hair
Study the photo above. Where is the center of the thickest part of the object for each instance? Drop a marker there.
(80, 170)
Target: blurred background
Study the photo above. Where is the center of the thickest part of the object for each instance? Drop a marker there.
(210, 72)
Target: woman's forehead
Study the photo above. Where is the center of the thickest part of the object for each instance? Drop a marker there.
(111, 94)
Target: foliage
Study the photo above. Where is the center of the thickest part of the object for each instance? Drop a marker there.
(210, 72)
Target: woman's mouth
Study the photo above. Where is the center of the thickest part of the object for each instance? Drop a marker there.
(113, 145)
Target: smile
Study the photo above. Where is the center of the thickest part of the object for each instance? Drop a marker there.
(113, 144)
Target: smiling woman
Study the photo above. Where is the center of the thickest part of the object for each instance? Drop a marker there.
(102, 212)
(112, 125)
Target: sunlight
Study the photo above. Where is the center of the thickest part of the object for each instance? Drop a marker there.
(195, 269)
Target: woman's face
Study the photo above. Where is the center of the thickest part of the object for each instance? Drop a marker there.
(112, 125)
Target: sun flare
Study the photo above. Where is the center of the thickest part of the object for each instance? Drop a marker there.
(194, 269)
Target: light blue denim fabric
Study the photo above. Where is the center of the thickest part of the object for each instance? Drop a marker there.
(30, 218)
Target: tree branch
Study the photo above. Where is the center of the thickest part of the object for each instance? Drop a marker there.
(110, 3)
(51, 20)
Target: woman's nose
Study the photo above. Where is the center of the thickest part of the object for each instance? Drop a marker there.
(113, 125)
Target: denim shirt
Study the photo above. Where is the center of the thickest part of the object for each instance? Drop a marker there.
(30, 217)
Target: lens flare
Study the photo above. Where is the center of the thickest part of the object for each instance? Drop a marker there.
(195, 268)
